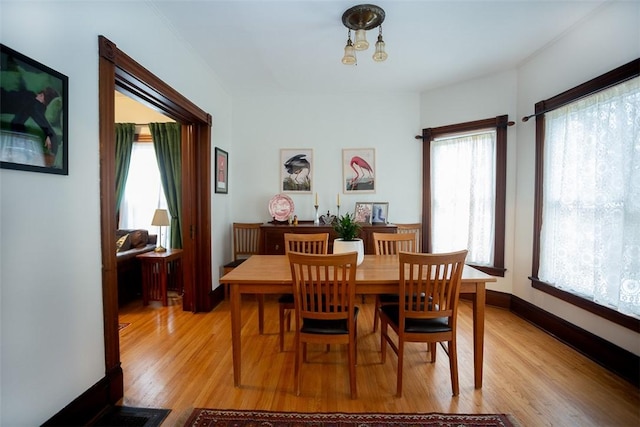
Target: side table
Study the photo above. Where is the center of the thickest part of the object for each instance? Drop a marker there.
(157, 268)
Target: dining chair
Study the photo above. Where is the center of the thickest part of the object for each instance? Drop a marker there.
(246, 242)
(314, 243)
(429, 291)
(415, 229)
(390, 244)
(324, 296)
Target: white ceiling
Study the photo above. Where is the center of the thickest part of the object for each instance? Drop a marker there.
(296, 46)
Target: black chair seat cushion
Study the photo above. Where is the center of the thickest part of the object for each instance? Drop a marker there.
(234, 264)
(286, 299)
(416, 325)
(388, 298)
(326, 327)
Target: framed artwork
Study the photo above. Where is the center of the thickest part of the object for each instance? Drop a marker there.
(363, 212)
(33, 115)
(358, 170)
(380, 213)
(222, 171)
(296, 166)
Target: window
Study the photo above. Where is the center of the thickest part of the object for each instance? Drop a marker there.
(143, 192)
(464, 190)
(587, 241)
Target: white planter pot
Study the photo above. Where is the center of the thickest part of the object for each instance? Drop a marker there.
(341, 246)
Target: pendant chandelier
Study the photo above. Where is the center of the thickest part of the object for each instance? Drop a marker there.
(360, 19)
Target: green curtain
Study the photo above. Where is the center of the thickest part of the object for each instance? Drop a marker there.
(125, 134)
(167, 143)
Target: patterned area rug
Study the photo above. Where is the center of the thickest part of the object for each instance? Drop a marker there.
(236, 418)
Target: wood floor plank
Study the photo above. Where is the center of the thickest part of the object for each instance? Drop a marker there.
(180, 360)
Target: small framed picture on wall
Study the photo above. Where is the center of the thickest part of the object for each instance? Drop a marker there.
(222, 171)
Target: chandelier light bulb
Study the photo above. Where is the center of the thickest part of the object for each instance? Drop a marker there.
(349, 57)
(380, 55)
(361, 42)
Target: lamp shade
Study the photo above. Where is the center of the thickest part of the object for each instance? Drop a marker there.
(379, 55)
(349, 57)
(160, 218)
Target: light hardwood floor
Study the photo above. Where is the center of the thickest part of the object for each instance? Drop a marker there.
(177, 360)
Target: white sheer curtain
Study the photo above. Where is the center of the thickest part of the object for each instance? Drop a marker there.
(143, 192)
(590, 237)
(463, 174)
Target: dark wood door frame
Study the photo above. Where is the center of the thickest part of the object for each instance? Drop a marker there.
(117, 71)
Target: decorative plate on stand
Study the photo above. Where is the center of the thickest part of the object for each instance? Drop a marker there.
(281, 207)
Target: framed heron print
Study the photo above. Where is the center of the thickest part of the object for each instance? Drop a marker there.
(33, 115)
(358, 170)
(296, 167)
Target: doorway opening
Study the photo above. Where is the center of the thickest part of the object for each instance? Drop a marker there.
(119, 72)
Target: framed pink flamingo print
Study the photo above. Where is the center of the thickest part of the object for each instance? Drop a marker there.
(358, 170)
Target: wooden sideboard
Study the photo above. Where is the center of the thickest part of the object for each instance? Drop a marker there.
(272, 235)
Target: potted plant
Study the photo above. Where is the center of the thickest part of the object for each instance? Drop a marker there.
(348, 231)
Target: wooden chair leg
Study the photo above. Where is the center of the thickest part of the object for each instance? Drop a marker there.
(400, 366)
(376, 313)
(288, 313)
(453, 366)
(298, 367)
(352, 370)
(260, 298)
(433, 347)
(383, 342)
(281, 315)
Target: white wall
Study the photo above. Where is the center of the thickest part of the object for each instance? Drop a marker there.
(264, 125)
(610, 37)
(52, 345)
(480, 99)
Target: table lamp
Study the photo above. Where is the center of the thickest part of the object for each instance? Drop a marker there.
(160, 219)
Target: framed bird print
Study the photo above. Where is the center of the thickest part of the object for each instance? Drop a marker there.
(358, 170)
(296, 167)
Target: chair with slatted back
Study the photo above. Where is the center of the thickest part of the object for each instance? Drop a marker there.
(324, 295)
(415, 229)
(390, 244)
(246, 242)
(429, 291)
(314, 243)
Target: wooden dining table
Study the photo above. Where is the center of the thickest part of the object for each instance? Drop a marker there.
(378, 274)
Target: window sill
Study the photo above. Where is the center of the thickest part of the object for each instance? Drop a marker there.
(493, 271)
(612, 315)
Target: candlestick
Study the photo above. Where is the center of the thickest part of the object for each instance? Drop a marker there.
(316, 221)
(338, 215)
